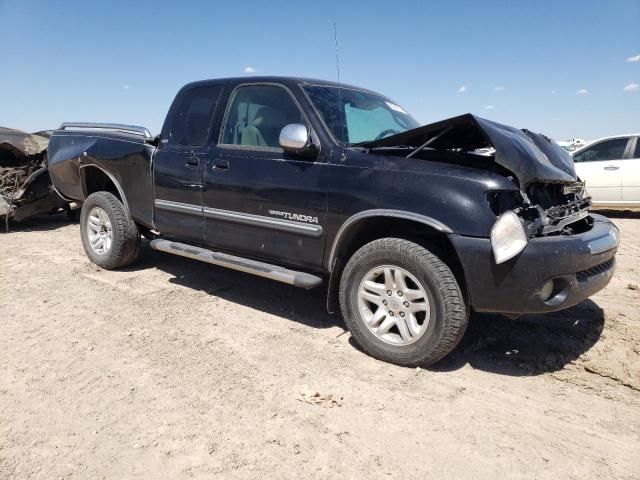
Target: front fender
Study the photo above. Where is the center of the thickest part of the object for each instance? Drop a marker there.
(352, 222)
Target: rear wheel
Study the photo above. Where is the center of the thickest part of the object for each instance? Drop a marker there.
(401, 303)
(109, 237)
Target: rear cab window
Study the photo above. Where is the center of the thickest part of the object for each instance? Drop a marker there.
(192, 120)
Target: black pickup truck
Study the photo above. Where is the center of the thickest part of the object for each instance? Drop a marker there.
(310, 182)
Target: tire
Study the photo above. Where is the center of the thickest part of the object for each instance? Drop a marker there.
(124, 244)
(444, 313)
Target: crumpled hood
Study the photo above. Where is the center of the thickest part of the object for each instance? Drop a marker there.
(531, 157)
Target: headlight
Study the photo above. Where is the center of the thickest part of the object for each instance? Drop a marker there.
(507, 237)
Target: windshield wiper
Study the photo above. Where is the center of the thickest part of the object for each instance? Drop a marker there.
(429, 142)
(371, 144)
(368, 144)
(360, 144)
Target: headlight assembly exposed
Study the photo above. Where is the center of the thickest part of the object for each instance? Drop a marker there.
(508, 238)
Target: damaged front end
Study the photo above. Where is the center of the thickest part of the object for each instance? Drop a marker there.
(549, 199)
(542, 209)
(25, 184)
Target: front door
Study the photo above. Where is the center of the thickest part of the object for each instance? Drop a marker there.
(599, 166)
(260, 201)
(178, 164)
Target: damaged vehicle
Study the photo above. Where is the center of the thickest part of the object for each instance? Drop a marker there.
(313, 183)
(25, 185)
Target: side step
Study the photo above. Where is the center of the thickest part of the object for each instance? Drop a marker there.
(274, 272)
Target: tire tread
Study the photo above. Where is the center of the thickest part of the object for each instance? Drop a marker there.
(455, 308)
(126, 237)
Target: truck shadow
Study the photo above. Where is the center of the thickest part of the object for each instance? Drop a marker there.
(613, 214)
(38, 223)
(531, 345)
(307, 307)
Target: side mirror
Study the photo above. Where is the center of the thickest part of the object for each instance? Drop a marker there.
(295, 138)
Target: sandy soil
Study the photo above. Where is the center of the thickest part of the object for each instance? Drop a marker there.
(176, 369)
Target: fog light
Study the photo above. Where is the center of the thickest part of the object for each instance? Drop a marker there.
(546, 290)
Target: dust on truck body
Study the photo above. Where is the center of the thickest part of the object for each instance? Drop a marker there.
(408, 227)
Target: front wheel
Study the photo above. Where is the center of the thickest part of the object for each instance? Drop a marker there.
(401, 303)
(109, 237)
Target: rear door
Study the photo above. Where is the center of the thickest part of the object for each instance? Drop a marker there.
(600, 167)
(260, 201)
(179, 163)
(631, 174)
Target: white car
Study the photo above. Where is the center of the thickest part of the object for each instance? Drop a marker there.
(573, 144)
(610, 168)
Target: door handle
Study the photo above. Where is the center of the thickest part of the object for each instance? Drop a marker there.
(192, 161)
(220, 165)
(611, 167)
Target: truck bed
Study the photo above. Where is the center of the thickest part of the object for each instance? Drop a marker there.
(89, 152)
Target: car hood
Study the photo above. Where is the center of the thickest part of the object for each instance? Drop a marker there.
(531, 157)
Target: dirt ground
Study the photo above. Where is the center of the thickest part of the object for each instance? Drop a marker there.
(177, 369)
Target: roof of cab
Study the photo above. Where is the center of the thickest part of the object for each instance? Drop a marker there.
(288, 81)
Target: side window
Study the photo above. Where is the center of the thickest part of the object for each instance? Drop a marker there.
(257, 114)
(603, 151)
(636, 154)
(191, 123)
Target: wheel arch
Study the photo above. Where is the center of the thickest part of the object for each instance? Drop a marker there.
(357, 222)
(95, 179)
(371, 225)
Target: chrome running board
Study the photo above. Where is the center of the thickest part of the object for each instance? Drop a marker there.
(261, 269)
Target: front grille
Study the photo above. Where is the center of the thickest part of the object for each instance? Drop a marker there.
(585, 275)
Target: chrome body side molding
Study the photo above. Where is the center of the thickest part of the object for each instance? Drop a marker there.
(177, 207)
(267, 222)
(242, 218)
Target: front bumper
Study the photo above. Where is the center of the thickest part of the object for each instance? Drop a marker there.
(578, 265)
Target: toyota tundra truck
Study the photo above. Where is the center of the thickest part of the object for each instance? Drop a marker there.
(409, 228)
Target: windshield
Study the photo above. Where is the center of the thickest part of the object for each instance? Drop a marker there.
(354, 116)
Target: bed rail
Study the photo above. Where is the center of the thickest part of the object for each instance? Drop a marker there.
(115, 127)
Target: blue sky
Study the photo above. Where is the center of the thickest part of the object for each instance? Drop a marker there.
(520, 63)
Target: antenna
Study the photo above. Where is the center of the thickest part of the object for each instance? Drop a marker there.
(335, 38)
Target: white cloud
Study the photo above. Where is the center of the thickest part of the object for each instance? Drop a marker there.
(582, 91)
(499, 88)
(632, 87)
(462, 89)
(249, 69)
(635, 58)
(489, 107)
(126, 87)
